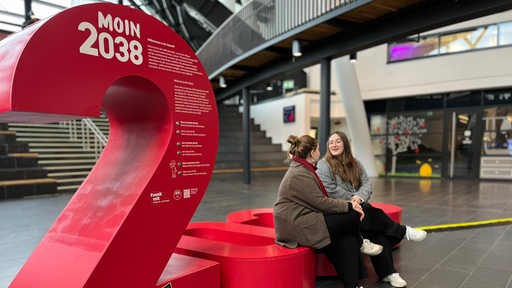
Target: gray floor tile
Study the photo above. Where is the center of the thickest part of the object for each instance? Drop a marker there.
(479, 257)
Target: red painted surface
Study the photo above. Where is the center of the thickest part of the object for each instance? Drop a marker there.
(185, 271)
(264, 217)
(121, 226)
(393, 211)
(249, 256)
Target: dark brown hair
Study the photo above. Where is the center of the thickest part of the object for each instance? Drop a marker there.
(301, 146)
(344, 165)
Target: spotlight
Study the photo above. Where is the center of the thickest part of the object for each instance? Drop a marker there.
(222, 82)
(296, 50)
(353, 58)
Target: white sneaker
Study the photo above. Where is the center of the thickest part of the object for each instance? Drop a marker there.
(413, 234)
(395, 280)
(370, 248)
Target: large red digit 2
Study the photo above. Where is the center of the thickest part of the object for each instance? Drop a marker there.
(123, 223)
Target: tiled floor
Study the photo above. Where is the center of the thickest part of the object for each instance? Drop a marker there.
(470, 258)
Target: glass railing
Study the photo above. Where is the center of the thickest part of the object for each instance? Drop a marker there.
(256, 25)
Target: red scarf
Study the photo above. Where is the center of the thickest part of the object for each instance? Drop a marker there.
(311, 168)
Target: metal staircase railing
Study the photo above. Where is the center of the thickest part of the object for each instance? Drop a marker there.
(92, 137)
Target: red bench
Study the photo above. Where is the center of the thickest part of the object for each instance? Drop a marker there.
(186, 271)
(248, 255)
(264, 217)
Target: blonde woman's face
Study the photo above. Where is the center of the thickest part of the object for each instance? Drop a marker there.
(335, 145)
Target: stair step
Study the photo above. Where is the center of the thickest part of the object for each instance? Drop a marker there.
(68, 188)
(74, 156)
(77, 150)
(37, 125)
(27, 181)
(70, 180)
(67, 161)
(63, 135)
(35, 140)
(62, 174)
(69, 144)
(21, 155)
(69, 168)
(47, 129)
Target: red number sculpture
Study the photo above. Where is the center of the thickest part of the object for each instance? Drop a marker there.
(123, 223)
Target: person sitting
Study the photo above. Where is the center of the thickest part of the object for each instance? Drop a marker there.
(345, 178)
(304, 215)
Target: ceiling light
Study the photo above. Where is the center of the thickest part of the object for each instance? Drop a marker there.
(353, 58)
(222, 82)
(296, 50)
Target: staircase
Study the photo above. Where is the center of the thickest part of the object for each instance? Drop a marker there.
(64, 149)
(265, 156)
(20, 173)
(68, 156)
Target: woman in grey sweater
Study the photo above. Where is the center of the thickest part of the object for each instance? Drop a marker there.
(304, 215)
(345, 178)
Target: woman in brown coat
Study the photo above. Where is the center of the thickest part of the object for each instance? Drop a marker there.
(304, 215)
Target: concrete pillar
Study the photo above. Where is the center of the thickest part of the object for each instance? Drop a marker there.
(359, 131)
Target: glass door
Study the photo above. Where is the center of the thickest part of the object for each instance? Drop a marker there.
(462, 142)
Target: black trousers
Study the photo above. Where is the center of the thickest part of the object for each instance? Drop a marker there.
(344, 250)
(380, 229)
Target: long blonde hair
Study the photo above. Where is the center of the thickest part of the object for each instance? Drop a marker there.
(344, 165)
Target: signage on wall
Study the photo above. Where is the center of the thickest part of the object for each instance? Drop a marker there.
(289, 114)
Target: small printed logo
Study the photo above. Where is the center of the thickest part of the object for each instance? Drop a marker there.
(159, 197)
(177, 194)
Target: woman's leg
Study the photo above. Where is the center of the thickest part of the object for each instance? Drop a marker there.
(382, 263)
(375, 222)
(344, 224)
(343, 251)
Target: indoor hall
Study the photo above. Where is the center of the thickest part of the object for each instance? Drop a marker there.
(471, 257)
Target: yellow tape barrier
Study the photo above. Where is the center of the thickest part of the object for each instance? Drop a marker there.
(474, 224)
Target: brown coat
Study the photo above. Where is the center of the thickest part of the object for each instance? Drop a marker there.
(299, 209)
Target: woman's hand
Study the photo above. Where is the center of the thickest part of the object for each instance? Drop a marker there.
(359, 210)
(356, 200)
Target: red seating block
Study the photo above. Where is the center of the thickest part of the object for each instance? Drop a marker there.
(393, 211)
(257, 216)
(264, 217)
(186, 271)
(249, 255)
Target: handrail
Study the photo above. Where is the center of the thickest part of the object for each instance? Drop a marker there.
(97, 132)
(99, 138)
(87, 129)
(257, 24)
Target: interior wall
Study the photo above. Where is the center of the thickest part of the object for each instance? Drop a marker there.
(473, 70)
(269, 115)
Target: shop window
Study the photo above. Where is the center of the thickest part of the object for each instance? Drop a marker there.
(497, 137)
(408, 144)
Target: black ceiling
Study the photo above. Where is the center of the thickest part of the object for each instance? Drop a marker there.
(193, 20)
